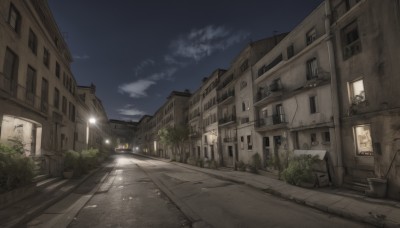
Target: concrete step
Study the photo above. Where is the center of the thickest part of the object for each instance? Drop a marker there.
(40, 178)
(48, 181)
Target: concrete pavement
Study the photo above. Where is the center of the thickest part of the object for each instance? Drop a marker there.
(380, 213)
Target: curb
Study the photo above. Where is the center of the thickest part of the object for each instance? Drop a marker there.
(321, 207)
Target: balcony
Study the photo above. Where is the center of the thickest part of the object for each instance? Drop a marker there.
(271, 122)
(227, 120)
(342, 8)
(226, 97)
(225, 82)
(194, 134)
(230, 139)
(268, 94)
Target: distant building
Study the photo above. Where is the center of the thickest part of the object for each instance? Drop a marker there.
(124, 133)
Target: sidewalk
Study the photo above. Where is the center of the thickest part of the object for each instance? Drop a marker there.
(341, 202)
(47, 194)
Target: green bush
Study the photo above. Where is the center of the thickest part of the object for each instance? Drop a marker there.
(256, 161)
(15, 168)
(299, 170)
(90, 159)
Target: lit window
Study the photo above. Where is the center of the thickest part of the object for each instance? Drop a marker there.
(363, 140)
(357, 93)
(249, 143)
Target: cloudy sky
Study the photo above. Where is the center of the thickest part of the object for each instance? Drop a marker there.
(137, 51)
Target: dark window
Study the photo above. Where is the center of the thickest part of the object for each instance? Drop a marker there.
(290, 51)
(205, 152)
(243, 106)
(326, 136)
(10, 71)
(311, 36)
(71, 111)
(14, 18)
(313, 104)
(249, 143)
(244, 65)
(56, 101)
(230, 151)
(58, 70)
(44, 100)
(32, 41)
(64, 105)
(351, 40)
(313, 138)
(46, 57)
(312, 69)
(266, 68)
(31, 85)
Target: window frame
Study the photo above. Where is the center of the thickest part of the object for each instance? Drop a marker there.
(311, 36)
(357, 144)
(32, 41)
(312, 68)
(350, 47)
(313, 102)
(46, 57)
(18, 19)
(356, 98)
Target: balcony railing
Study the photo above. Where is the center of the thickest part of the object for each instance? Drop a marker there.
(271, 120)
(227, 119)
(226, 95)
(267, 91)
(230, 139)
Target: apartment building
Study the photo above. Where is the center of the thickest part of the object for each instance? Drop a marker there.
(37, 87)
(211, 150)
(195, 123)
(365, 38)
(142, 138)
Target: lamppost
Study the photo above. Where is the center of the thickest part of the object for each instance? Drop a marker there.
(92, 120)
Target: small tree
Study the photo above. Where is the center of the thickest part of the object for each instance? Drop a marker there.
(176, 137)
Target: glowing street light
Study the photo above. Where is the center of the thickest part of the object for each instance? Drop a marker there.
(92, 120)
(107, 141)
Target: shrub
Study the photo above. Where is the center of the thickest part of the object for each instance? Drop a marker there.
(213, 165)
(200, 163)
(89, 159)
(299, 170)
(191, 161)
(241, 166)
(15, 168)
(256, 162)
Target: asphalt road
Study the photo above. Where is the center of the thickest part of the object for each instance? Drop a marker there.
(132, 195)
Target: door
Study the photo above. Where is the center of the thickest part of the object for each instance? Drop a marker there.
(266, 151)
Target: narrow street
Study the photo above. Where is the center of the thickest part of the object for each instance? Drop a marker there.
(132, 196)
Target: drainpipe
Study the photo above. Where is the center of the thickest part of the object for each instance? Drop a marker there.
(339, 172)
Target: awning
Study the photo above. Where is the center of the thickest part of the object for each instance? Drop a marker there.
(319, 153)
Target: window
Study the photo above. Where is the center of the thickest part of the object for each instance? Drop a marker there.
(290, 51)
(244, 65)
(363, 140)
(31, 85)
(313, 138)
(64, 105)
(10, 71)
(357, 93)
(312, 69)
(249, 143)
(313, 104)
(14, 18)
(205, 152)
(350, 40)
(56, 99)
(71, 112)
(58, 70)
(46, 57)
(230, 151)
(311, 36)
(241, 142)
(44, 101)
(32, 41)
(326, 136)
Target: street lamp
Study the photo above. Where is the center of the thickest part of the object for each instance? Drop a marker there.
(107, 141)
(92, 120)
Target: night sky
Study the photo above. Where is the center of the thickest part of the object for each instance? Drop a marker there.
(137, 51)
